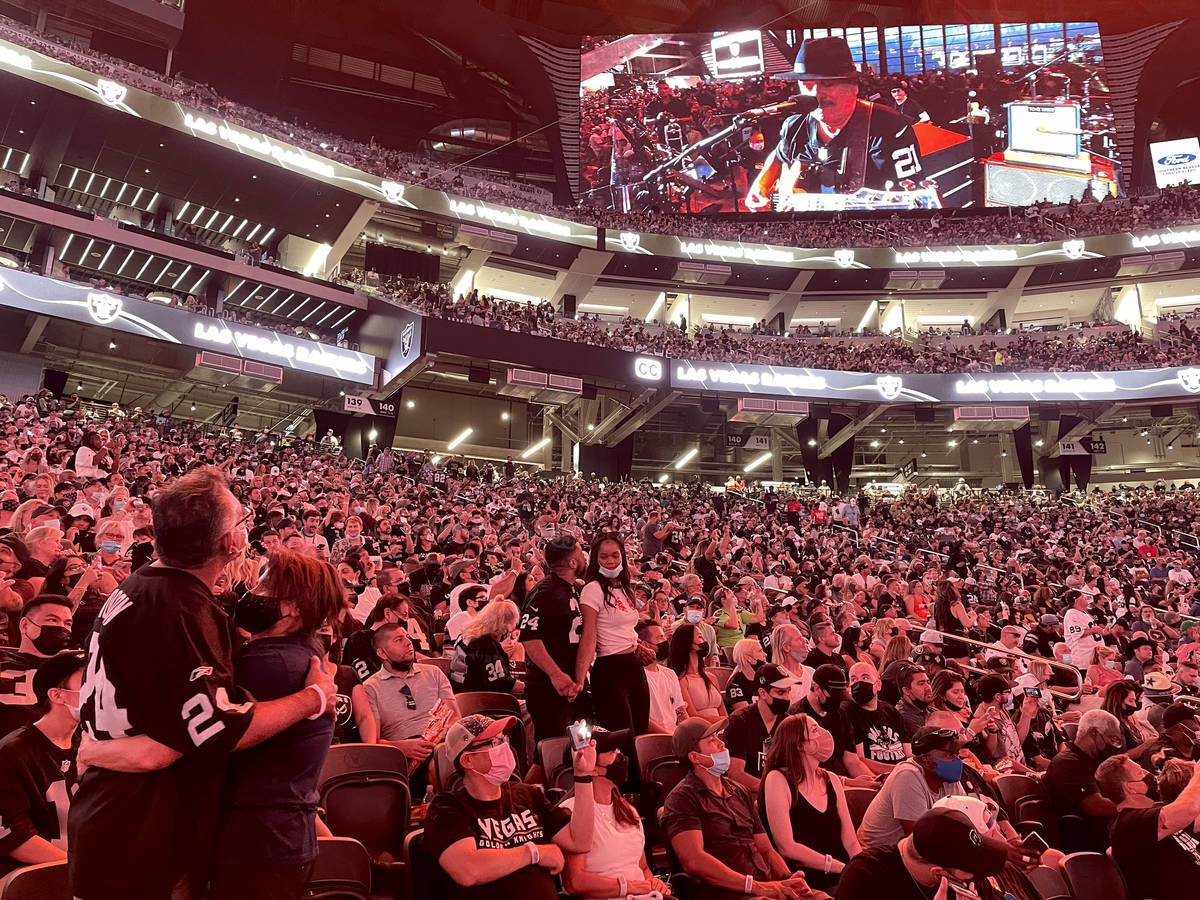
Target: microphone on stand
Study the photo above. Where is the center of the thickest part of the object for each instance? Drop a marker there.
(770, 110)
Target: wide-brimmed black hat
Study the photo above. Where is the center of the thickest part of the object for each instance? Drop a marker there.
(823, 59)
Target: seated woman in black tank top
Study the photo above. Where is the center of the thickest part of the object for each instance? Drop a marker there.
(803, 806)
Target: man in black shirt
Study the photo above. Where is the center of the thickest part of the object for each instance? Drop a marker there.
(748, 731)
(160, 710)
(823, 703)
(1071, 782)
(45, 628)
(35, 762)
(1154, 844)
(497, 838)
(826, 644)
(843, 145)
(550, 625)
(944, 849)
(875, 725)
(908, 106)
(665, 107)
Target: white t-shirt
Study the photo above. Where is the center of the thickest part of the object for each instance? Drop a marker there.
(456, 624)
(616, 848)
(365, 603)
(1075, 622)
(616, 621)
(85, 464)
(665, 696)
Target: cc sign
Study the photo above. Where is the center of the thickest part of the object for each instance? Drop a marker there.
(648, 369)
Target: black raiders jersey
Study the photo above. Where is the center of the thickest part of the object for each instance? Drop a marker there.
(36, 777)
(159, 663)
(876, 149)
(18, 705)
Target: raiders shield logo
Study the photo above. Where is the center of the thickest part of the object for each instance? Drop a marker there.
(844, 258)
(343, 710)
(111, 92)
(889, 386)
(1073, 249)
(631, 241)
(406, 338)
(1190, 380)
(103, 308)
(392, 191)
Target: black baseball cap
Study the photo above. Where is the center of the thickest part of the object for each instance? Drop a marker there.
(55, 670)
(946, 837)
(831, 678)
(991, 685)
(770, 676)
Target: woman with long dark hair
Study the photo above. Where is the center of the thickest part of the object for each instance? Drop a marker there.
(609, 638)
(951, 616)
(268, 834)
(803, 806)
(699, 690)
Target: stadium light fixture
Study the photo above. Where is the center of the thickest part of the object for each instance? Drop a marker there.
(410, 403)
(757, 461)
(372, 434)
(437, 459)
(664, 478)
(466, 433)
(687, 458)
(534, 448)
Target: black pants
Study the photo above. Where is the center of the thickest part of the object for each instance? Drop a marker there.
(552, 713)
(622, 701)
(284, 881)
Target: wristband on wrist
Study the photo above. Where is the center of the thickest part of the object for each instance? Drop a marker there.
(321, 696)
(749, 885)
(622, 886)
(535, 855)
(828, 863)
(583, 779)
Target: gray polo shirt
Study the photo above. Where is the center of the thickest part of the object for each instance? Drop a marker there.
(905, 795)
(397, 722)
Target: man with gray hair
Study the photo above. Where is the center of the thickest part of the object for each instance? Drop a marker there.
(1071, 782)
(160, 711)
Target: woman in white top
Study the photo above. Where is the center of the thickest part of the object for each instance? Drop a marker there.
(615, 867)
(609, 636)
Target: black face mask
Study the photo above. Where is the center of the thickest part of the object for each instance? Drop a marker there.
(662, 650)
(779, 705)
(256, 612)
(862, 692)
(51, 639)
(617, 770)
(953, 706)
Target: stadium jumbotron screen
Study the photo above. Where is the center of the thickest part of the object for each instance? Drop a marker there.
(910, 117)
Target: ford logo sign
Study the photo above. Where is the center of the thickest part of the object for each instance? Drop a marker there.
(1177, 159)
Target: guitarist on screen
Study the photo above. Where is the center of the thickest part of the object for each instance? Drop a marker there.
(843, 145)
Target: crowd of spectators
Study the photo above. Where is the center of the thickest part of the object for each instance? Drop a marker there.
(1112, 349)
(1171, 207)
(845, 687)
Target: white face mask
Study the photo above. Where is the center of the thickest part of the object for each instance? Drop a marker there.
(610, 573)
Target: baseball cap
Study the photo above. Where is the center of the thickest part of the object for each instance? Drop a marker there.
(946, 837)
(930, 658)
(1178, 712)
(830, 677)
(82, 509)
(473, 729)
(748, 579)
(691, 732)
(1049, 620)
(695, 601)
(770, 675)
(606, 741)
(931, 738)
(931, 637)
(55, 670)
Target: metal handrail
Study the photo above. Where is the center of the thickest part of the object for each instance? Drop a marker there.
(1018, 653)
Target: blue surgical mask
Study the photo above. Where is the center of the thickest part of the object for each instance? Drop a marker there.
(949, 770)
(693, 616)
(110, 546)
(1110, 664)
(1067, 658)
(118, 505)
(721, 763)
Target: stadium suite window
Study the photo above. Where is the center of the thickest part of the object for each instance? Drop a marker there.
(910, 42)
(933, 45)
(983, 38)
(958, 47)
(1046, 41)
